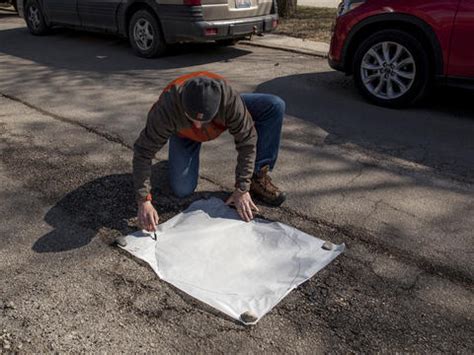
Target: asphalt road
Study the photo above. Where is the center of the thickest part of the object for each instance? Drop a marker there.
(395, 186)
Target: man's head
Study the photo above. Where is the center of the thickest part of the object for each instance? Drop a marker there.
(201, 98)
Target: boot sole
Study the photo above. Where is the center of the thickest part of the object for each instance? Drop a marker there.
(272, 202)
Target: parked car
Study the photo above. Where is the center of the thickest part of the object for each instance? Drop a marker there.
(397, 49)
(151, 25)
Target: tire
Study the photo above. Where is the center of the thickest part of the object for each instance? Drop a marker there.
(35, 19)
(392, 69)
(145, 35)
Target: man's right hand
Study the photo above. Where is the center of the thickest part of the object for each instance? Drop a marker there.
(147, 216)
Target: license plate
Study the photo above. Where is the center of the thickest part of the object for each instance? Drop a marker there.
(243, 3)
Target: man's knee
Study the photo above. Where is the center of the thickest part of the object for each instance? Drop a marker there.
(182, 189)
(279, 105)
(276, 106)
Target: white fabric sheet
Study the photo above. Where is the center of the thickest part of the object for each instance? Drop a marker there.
(233, 266)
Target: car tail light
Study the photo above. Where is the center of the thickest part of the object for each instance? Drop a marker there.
(210, 32)
(274, 23)
(192, 2)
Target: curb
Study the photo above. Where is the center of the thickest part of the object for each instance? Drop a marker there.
(319, 54)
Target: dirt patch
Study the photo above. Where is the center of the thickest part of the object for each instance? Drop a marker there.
(309, 23)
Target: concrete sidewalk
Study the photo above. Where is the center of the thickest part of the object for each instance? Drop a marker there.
(319, 3)
(290, 44)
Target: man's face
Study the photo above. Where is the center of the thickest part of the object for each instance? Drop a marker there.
(197, 124)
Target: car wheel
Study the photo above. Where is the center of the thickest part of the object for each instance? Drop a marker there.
(35, 19)
(391, 68)
(145, 35)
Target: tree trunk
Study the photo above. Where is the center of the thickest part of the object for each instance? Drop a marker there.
(286, 8)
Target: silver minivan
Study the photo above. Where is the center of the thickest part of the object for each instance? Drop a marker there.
(151, 25)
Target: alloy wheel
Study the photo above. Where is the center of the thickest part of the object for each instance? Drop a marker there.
(388, 70)
(143, 34)
(34, 17)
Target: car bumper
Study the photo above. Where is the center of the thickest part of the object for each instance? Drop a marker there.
(336, 65)
(335, 56)
(196, 31)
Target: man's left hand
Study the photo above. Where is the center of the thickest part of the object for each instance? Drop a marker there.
(244, 204)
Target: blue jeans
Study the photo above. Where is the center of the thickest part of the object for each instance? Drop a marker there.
(267, 112)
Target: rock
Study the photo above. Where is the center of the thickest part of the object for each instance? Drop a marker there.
(121, 241)
(10, 305)
(327, 246)
(248, 317)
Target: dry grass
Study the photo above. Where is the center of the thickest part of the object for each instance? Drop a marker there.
(309, 23)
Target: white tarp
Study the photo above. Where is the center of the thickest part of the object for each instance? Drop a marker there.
(234, 266)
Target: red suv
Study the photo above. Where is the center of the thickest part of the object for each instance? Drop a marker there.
(396, 49)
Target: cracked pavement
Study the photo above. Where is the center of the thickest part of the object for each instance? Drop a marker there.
(395, 186)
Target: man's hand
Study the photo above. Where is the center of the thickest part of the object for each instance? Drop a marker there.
(243, 203)
(147, 216)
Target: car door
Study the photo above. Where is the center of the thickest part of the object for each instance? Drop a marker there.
(461, 58)
(99, 14)
(62, 11)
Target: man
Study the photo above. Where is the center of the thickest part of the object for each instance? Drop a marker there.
(196, 108)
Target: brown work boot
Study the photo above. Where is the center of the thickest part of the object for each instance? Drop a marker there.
(263, 189)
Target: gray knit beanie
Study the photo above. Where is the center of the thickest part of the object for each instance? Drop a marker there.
(201, 98)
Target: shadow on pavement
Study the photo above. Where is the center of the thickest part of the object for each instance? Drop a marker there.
(84, 51)
(107, 202)
(437, 133)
